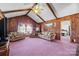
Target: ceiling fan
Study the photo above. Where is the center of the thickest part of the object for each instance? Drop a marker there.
(37, 9)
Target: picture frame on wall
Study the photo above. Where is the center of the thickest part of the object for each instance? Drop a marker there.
(51, 25)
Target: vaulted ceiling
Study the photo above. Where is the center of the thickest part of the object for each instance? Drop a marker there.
(48, 11)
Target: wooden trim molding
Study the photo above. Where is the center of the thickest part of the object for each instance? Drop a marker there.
(1, 14)
(51, 10)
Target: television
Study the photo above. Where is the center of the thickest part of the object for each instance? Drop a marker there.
(3, 29)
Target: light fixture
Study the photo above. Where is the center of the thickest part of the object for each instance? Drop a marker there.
(74, 40)
(36, 9)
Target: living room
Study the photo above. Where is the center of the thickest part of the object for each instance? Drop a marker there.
(34, 29)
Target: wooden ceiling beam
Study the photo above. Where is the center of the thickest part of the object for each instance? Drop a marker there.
(41, 18)
(36, 14)
(32, 8)
(49, 6)
(16, 10)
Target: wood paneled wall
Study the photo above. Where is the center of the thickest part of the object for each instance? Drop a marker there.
(14, 21)
(74, 26)
(55, 29)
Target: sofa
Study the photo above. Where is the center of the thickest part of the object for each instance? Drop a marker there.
(47, 36)
(14, 36)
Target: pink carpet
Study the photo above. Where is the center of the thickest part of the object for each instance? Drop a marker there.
(40, 47)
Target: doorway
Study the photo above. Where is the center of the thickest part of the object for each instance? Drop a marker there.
(65, 31)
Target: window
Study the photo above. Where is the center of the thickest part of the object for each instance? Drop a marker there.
(21, 28)
(29, 29)
(51, 24)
